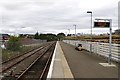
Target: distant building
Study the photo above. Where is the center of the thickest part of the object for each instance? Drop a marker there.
(80, 34)
(4, 37)
(27, 35)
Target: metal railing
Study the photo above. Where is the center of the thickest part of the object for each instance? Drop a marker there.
(99, 48)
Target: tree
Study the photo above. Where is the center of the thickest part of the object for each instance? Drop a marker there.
(21, 35)
(48, 37)
(51, 37)
(14, 43)
(60, 36)
(36, 36)
(68, 34)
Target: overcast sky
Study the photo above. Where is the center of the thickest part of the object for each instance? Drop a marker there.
(54, 16)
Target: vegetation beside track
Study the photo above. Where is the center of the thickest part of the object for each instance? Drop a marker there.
(17, 46)
(8, 54)
(96, 38)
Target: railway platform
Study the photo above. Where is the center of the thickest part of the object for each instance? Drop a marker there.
(70, 63)
(59, 67)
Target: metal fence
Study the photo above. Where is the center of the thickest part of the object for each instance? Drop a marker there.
(98, 48)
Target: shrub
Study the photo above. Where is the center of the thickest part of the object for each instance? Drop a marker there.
(14, 44)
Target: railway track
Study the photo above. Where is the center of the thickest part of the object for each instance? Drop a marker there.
(39, 68)
(27, 58)
(8, 60)
(8, 64)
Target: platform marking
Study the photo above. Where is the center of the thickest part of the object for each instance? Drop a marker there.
(107, 65)
(52, 62)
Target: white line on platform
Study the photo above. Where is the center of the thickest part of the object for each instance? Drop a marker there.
(107, 65)
(51, 65)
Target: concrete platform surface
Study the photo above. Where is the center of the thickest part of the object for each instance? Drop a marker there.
(59, 67)
(85, 65)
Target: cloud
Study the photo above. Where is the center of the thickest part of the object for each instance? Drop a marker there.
(52, 15)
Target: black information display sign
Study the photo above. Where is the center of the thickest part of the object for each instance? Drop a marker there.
(105, 23)
(102, 24)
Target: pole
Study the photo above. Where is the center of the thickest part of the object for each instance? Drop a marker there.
(90, 31)
(69, 35)
(110, 42)
(69, 31)
(91, 35)
(75, 31)
(75, 34)
(91, 26)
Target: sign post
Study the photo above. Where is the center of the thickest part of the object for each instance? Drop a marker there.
(106, 23)
(110, 42)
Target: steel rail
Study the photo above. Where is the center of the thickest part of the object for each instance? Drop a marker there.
(20, 76)
(46, 66)
(25, 57)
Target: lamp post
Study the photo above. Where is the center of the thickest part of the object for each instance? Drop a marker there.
(90, 12)
(69, 31)
(69, 35)
(75, 32)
